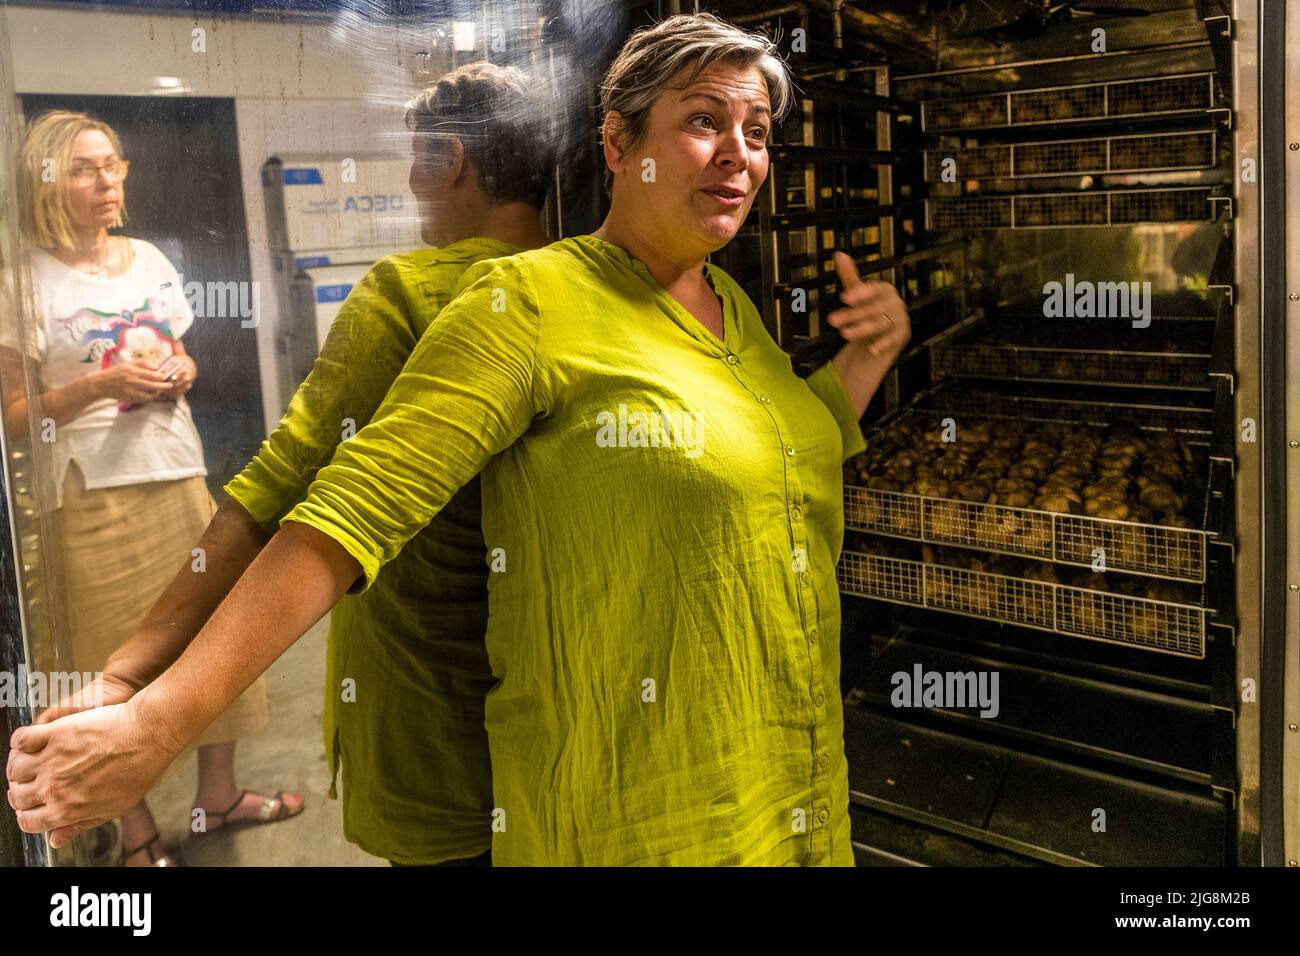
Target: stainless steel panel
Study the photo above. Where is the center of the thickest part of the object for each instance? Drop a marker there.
(1248, 497)
(1291, 685)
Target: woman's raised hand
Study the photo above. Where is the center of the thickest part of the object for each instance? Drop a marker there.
(874, 317)
(875, 324)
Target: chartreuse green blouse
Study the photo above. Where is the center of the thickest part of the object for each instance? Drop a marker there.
(662, 518)
(406, 667)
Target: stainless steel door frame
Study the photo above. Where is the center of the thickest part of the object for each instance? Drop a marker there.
(16, 848)
(1282, 193)
(1248, 397)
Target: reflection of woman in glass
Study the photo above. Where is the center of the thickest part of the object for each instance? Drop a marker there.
(661, 507)
(409, 652)
(129, 470)
(407, 671)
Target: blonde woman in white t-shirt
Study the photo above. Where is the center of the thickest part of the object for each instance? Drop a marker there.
(109, 314)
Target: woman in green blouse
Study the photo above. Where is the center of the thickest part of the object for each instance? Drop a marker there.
(662, 516)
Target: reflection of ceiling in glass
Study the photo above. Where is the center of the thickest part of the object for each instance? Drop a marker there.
(281, 8)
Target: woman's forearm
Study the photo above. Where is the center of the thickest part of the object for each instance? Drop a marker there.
(296, 578)
(861, 373)
(60, 404)
(229, 545)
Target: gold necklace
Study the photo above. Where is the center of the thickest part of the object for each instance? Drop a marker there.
(108, 252)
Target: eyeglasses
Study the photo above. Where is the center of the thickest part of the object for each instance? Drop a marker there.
(86, 174)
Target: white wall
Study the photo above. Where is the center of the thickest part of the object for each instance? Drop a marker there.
(298, 87)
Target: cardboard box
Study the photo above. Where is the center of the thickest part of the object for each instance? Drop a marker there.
(324, 290)
(316, 295)
(339, 201)
(291, 262)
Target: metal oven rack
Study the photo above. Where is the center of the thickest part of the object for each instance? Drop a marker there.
(1195, 423)
(831, 186)
(1023, 350)
(1176, 554)
(1157, 96)
(1096, 156)
(1102, 366)
(1071, 149)
(1152, 550)
(1155, 625)
(1110, 207)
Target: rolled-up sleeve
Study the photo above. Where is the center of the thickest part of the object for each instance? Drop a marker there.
(367, 345)
(827, 385)
(468, 391)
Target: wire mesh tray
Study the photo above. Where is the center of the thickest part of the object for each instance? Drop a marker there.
(1111, 207)
(1023, 350)
(1085, 102)
(1152, 550)
(1023, 363)
(1097, 156)
(1163, 626)
(1149, 549)
(1196, 424)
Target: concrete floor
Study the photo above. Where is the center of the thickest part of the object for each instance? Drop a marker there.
(287, 754)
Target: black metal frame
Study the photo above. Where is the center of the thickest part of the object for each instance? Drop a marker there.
(1272, 56)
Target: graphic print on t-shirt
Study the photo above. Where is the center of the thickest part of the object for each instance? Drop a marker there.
(128, 336)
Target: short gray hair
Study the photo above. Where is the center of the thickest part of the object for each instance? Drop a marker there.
(654, 55)
(504, 120)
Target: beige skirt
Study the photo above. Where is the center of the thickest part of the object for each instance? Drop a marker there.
(122, 547)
